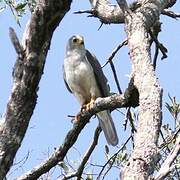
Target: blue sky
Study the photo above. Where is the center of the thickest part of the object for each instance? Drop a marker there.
(49, 123)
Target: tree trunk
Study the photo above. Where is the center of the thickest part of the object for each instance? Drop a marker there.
(26, 76)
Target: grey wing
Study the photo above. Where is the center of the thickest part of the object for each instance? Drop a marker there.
(99, 75)
(105, 119)
(64, 77)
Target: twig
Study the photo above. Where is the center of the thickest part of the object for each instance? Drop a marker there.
(167, 147)
(89, 152)
(16, 43)
(19, 164)
(84, 11)
(155, 56)
(115, 77)
(115, 50)
(123, 5)
(170, 14)
(80, 169)
(159, 45)
(112, 158)
(167, 167)
(112, 65)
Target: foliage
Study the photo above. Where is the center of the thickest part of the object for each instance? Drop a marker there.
(18, 8)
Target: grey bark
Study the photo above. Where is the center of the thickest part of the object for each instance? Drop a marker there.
(145, 154)
(26, 76)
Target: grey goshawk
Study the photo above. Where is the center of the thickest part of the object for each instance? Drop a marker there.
(84, 78)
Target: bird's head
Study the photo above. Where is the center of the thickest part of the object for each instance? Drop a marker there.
(76, 42)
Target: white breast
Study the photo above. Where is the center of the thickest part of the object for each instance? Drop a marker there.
(80, 78)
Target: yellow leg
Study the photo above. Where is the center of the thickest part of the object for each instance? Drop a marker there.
(91, 103)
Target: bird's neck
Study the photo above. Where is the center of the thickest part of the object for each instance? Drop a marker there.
(77, 53)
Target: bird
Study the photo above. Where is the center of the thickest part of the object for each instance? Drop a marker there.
(83, 76)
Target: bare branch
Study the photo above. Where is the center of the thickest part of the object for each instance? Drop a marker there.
(167, 167)
(171, 14)
(109, 13)
(123, 5)
(106, 12)
(112, 65)
(166, 143)
(115, 77)
(80, 169)
(115, 50)
(159, 45)
(16, 43)
(155, 56)
(111, 102)
(112, 158)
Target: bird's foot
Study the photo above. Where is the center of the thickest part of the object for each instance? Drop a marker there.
(83, 108)
(90, 104)
(77, 117)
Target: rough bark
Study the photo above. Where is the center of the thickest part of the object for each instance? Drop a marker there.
(145, 154)
(26, 76)
(109, 13)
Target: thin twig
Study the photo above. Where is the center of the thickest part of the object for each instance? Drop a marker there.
(16, 43)
(112, 65)
(155, 56)
(115, 77)
(91, 11)
(115, 50)
(159, 45)
(80, 169)
(167, 147)
(167, 167)
(112, 158)
(89, 152)
(170, 13)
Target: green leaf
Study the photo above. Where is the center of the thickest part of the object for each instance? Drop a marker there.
(20, 6)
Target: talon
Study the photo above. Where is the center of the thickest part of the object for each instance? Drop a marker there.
(83, 108)
(90, 104)
(77, 117)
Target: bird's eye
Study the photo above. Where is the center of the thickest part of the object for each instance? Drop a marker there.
(75, 40)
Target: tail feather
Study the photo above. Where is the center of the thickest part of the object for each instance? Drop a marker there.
(107, 125)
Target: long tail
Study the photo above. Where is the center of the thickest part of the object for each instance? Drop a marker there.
(107, 125)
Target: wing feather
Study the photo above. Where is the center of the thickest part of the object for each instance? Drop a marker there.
(64, 77)
(99, 75)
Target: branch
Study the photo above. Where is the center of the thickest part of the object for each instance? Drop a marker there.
(160, 46)
(80, 169)
(115, 77)
(115, 50)
(112, 158)
(106, 12)
(123, 5)
(112, 65)
(109, 13)
(167, 167)
(16, 43)
(27, 73)
(171, 14)
(111, 102)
